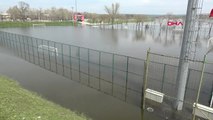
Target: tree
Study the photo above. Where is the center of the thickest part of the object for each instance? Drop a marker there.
(113, 12)
(19, 12)
(93, 17)
(23, 9)
(103, 19)
(63, 14)
(14, 13)
(140, 21)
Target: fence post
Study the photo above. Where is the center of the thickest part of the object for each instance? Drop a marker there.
(56, 63)
(19, 40)
(145, 79)
(33, 50)
(43, 53)
(200, 84)
(163, 78)
(127, 74)
(17, 47)
(37, 47)
(99, 70)
(79, 65)
(70, 52)
(88, 62)
(23, 40)
(0, 37)
(4, 41)
(8, 41)
(48, 44)
(28, 48)
(9, 38)
(14, 48)
(113, 67)
(62, 57)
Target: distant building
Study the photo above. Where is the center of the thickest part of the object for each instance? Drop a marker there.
(79, 17)
(4, 17)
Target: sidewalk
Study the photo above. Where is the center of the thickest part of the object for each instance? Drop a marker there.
(65, 92)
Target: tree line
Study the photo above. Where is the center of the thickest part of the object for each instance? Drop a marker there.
(23, 12)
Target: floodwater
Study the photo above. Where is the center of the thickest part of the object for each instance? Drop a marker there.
(65, 92)
(126, 42)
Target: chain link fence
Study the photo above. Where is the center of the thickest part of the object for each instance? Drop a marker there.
(118, 75)
(162, 77)
(113, 74)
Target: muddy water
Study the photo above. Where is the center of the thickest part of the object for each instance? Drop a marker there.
(65, 92)
(126, 42)
(131, 43)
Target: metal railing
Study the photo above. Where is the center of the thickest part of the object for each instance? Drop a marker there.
(113, 74)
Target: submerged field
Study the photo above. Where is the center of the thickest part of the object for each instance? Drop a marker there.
(20, 104)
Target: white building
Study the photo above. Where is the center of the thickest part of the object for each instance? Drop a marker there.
(4, 16)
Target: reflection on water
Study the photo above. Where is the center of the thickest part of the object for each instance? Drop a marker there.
(165, 40)
(128, 42)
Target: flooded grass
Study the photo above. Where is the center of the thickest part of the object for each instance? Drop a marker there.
(30, 24)
(20, 104)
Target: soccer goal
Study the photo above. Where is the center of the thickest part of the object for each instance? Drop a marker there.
(39, 25)
(52, 50)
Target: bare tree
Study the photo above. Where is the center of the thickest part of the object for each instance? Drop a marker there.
(14, 13)
(93, 17)
(140, 19)
(23, 9)
(113, 11)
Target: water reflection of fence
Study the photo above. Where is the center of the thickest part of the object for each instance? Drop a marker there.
(113, 74)
(125, 26)
(204, 31)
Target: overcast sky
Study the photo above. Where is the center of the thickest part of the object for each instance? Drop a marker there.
(126, 6)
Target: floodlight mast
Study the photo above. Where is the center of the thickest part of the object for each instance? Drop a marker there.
(76, 7)
(185, 52)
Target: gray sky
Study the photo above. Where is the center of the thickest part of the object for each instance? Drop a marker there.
(126, 6)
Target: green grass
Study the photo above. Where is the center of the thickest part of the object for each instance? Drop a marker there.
(17, 103)
(30, 24)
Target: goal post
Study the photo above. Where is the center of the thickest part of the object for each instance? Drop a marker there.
(39, 25)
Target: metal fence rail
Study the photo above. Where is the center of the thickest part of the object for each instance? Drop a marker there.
(113, 74)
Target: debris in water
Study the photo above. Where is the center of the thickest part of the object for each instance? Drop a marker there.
(149, 109)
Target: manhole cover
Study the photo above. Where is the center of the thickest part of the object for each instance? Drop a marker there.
(149, 109)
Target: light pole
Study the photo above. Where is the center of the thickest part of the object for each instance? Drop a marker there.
(72, 13)
(185, 52)
(76, 7)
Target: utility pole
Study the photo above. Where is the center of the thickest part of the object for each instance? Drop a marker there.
(185, 52)
(76, 7)
(72, 14)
